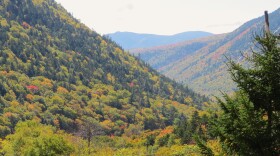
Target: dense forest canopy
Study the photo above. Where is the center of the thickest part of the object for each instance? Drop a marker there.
(56, 71)
(66, 90)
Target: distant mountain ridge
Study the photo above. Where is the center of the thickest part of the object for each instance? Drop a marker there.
(130, 40)
(201, 63)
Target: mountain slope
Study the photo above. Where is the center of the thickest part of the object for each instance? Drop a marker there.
(201, 62)
(129, 40)
(56, 70)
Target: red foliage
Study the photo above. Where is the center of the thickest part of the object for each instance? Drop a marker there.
(131, 84)
(219, 52)
(32, 88)
(26, 25)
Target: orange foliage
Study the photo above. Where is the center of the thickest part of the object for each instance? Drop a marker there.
(167, 130)
(3, 72)
(31, 107)
(47, 83)
(29, 97)
(8, 114)
(56, 122)
(26, 25)
(62, 90)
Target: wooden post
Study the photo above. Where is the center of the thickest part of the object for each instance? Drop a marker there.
(267, 31)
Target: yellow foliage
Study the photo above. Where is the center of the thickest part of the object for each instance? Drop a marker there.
(29, 134)
(201, 113)
(62, 90)
(14, 103)
(47, 83)
(118, 50)
(57, 100)
(29, 97)
(189, 150)
(188, 100)
(131, 151)
(265, 117)
(103, 43)
(37, 2)
(107, 151)
(94, 96)
(108, 124)
(4, 23)
(111, 78)
(215, 146)
(155, 78)
(37, 119)
(64, 69)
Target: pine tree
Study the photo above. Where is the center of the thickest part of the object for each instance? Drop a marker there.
(250, 123)
(204, 150)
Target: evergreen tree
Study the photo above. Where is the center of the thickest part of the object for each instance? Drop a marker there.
(250, 123)
(195, 122)
(203, 147)
(182, 129)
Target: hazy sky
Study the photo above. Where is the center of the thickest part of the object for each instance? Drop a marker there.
(167, 16)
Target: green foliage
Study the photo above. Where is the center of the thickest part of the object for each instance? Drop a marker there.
(203, 148)
(89, 129)
(163, 141)
(182, 130)
(56, 70)
(186, 130)
(150, 140)
(32, 138)
(249, 124)
(240, 127)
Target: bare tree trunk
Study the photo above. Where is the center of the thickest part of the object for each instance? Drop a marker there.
(267, 30)
(89, 140)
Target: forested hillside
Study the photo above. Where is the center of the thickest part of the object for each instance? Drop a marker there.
(201, 62)
(56, 71)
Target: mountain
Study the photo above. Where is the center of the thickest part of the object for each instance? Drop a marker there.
(57, 71)
(201, 63)
(130, 40)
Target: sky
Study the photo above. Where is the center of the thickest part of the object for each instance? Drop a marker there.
(166, 17)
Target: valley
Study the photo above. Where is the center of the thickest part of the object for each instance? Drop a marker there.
(67, 90)
(201, 63)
